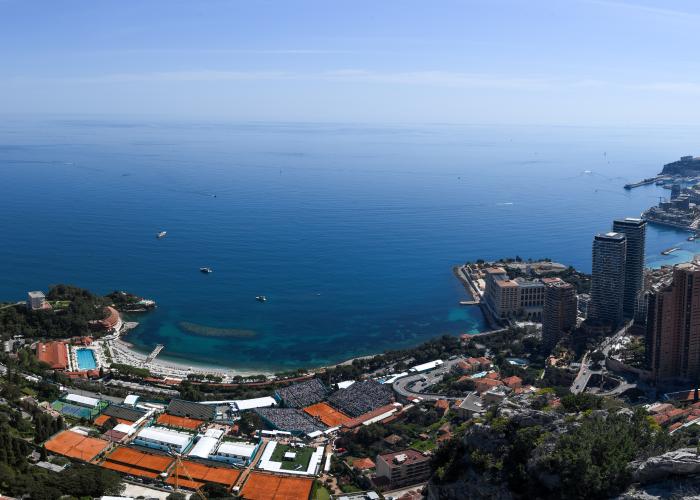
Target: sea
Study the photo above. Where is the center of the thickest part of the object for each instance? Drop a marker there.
(350, 230)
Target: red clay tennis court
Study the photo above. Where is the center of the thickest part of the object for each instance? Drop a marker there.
(74, 445)
(201, 474)
(137, 463)
(261, 486)
(102, 419)
(328, 415)
(179, 422)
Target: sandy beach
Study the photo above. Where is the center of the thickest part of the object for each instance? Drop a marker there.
(123, 352)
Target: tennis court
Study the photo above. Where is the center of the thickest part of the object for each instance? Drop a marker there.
(327, 414)
(137, 463)
(204, 473)
(179, 422)
(102, 419)
(261, 486)
(77, 412)
(74, 445)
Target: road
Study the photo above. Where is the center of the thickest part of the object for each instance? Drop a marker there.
(253, 463)
(584, 374)
(405, 386)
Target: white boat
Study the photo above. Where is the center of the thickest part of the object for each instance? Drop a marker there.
(206, 270)
(261, 298)
(161, 234)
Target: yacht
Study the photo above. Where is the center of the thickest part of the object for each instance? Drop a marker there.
(261, 298)
(161, 234)
(206, 270)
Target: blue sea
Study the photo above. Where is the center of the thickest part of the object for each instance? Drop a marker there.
(350, 230)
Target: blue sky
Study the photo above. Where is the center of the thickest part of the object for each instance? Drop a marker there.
(579, 62)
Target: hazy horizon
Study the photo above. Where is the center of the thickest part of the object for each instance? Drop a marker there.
(580, 63)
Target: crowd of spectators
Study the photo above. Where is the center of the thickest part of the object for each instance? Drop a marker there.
(303, 394)
(362, 397)
(290, 420)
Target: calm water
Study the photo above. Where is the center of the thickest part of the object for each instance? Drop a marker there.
(86, 359)
(350, 231)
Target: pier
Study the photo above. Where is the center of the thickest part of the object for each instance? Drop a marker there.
(154, 353)
(644, 182)
(463, 274)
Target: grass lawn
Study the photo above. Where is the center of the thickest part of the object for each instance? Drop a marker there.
(303, 457)
(424, 445)
(320, 492)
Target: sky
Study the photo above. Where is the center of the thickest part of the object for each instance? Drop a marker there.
(554, 62)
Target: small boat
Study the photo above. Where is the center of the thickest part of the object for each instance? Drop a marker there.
(261, 298)
(206, 270)
(692, 237)
(161, 234)
(669, 251)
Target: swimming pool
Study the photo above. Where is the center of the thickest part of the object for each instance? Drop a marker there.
(86, 359)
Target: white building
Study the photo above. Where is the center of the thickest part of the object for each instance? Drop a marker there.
(235, 452)
(36, 300)
(164, 439)
(426, 366)
(82, 400)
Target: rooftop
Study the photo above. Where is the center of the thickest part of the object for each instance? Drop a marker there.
(405, 457)
(190, 409)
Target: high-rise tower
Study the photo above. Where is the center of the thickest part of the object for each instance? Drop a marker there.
(635, 231)
(608, 279)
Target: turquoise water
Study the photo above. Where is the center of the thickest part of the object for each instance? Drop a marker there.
(349, 230)
(86, 359)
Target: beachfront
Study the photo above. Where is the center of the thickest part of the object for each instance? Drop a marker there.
(124, 353)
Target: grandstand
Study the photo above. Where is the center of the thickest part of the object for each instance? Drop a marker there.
(327, 414)
(302, 394)
(362, 397)
(190, 409)
(290, 420)
(137, 463)
(261, 486)
(74, 445)
(202, 474)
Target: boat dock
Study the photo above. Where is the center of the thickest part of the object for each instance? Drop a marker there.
(463, 275)
(154, 353)
(644, 182)
(669, 251)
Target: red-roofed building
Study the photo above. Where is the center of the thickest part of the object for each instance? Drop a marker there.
(493, 376)
(484, 384)
(442, 406)
(513, 382)
(111, 323)
(55, 354)
(362, 464)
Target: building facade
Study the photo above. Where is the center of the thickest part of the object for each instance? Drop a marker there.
(403, 468)
(501, 294)
(673, 325)
(36, 300)
(559, 315)
(635, 231)
(608, 279)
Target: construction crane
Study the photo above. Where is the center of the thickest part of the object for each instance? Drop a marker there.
(179, 465)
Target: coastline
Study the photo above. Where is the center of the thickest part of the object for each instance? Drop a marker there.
(124, 352)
